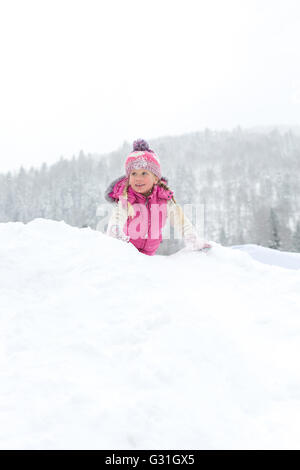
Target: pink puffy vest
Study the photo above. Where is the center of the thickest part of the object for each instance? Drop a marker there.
(145, 227)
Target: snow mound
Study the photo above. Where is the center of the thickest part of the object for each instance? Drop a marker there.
(102, 347)
(265, 255)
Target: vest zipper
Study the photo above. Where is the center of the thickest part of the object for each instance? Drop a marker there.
(148, 225)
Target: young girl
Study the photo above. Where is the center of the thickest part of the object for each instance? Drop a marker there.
(143, 202)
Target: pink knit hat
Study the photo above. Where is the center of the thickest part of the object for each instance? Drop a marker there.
(142, 157)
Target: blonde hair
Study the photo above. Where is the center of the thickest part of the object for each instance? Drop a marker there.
(130, 209)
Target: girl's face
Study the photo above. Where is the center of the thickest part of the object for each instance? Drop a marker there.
(142, 180)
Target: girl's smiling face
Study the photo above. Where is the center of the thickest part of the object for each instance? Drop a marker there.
(142, 180)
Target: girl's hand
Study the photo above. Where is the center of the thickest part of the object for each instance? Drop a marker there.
(206, 245)
(194, 243)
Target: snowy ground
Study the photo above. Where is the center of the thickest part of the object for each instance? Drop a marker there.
(102, 347)
(272, 257)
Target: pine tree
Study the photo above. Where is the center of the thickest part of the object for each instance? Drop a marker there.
(296, 238)
(274, 242)
(222, 237)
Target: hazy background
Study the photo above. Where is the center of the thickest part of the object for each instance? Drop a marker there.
(91, 74)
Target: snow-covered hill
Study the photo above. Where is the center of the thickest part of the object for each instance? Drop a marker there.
(103, 347)
(271, 257)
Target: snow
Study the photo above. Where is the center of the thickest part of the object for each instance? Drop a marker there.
(271, 257)
(102, 347)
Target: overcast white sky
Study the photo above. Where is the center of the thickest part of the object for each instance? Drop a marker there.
(90, 74)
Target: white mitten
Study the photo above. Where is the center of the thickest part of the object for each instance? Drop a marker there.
(194, 243)
(115, 232)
